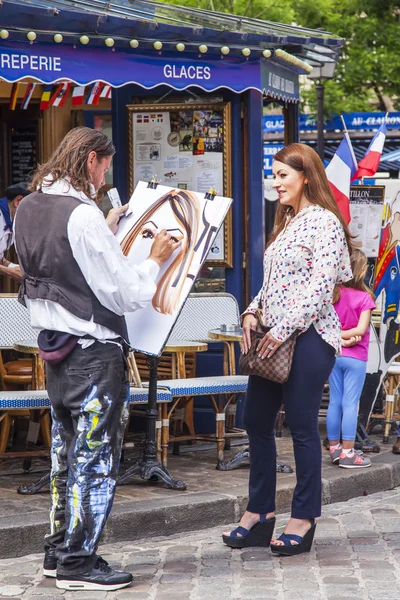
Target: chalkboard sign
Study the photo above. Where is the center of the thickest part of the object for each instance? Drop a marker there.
(23, 144)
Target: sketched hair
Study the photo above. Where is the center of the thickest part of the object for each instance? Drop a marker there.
(186, 209)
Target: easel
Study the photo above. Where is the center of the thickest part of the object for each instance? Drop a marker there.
(148, 467)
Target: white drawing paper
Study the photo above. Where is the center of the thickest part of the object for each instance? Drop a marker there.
(191, 219)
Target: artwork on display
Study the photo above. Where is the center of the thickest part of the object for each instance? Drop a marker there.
(186, 146)
(190, 217)
(384, 346)
(387, 274)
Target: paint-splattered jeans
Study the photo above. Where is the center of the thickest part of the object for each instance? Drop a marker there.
(89, 394)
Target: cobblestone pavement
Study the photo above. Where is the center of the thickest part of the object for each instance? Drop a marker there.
(356, 556)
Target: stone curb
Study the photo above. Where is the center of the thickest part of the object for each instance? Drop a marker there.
(195, 511)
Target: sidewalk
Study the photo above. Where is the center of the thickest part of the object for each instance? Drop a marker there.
(146, 509)
(355, 556)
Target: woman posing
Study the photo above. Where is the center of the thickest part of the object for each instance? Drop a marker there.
(306, 257)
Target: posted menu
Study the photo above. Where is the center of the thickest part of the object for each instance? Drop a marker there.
(366, 208)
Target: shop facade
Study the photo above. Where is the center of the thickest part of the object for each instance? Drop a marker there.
(165, 58)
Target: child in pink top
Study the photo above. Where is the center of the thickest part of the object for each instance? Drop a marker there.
(353, 303)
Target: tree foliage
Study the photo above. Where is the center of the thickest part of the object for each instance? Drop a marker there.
(368, 73)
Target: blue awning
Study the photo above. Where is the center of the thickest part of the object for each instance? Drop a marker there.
(392, 157)
(50, 63)
(233, 57)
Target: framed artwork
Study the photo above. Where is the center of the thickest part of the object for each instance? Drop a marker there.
(188, 147)
(193, 219)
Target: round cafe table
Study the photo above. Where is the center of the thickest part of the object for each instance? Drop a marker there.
(229, 338)
(179, 349)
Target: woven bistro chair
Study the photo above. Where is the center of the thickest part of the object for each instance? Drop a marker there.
(14, 326)
(202, 313)
(16, 374)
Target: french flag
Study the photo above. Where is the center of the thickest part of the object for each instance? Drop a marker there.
(340, 172)
(94, 93)
(368, 166)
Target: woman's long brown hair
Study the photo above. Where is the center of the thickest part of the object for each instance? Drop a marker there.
(359, 266)
(70, 159)
(304, 159)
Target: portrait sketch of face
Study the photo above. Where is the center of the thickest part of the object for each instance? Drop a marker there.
(178, 212)
(190, 219)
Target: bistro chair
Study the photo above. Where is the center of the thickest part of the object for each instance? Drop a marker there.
(14, 325)
(16, 374)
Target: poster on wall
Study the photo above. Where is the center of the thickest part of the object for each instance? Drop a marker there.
(366, 208)
(192, 218)
(387, 274)
(384, 346)
(186, 146)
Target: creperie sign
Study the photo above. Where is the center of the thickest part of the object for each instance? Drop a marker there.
(30, 61)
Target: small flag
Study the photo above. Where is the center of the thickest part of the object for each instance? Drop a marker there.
(368, 166)
(78, 94)
(46, 95)
(28, 95)
(60, 95)
(14, 96)
(94, 93)
(106, 92)
(139, 119)
(340, 172)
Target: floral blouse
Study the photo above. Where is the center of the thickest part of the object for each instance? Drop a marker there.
(301, 268)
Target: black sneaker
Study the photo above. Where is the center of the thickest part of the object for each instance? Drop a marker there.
(50, 563)
(100, 577)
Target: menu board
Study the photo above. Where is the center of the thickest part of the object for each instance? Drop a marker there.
(366, 208)
(185, 146)
(23, 144)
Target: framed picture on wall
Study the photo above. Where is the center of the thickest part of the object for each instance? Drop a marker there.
(188, 147)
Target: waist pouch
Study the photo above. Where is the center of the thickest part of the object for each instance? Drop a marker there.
(55, 346)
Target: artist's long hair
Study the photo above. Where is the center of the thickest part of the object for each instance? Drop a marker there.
(304, 159)
(186, 209)
(69, 161)
(359, 267)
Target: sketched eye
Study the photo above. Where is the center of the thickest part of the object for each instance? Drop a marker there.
(147, 233)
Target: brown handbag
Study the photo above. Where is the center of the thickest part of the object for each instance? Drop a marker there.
(277, 367)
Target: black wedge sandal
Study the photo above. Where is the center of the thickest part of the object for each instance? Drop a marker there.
(258, 535)
(303, 543)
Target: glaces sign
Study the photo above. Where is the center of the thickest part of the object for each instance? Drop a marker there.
(187, 72)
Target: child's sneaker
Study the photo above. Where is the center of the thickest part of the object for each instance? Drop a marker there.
(335, 455)
(354, 461)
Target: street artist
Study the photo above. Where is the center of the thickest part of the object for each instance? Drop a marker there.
(77, 285)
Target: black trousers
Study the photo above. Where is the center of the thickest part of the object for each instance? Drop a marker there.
(89, 394)
(312, 363)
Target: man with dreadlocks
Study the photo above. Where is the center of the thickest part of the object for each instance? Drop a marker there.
(77, 285)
